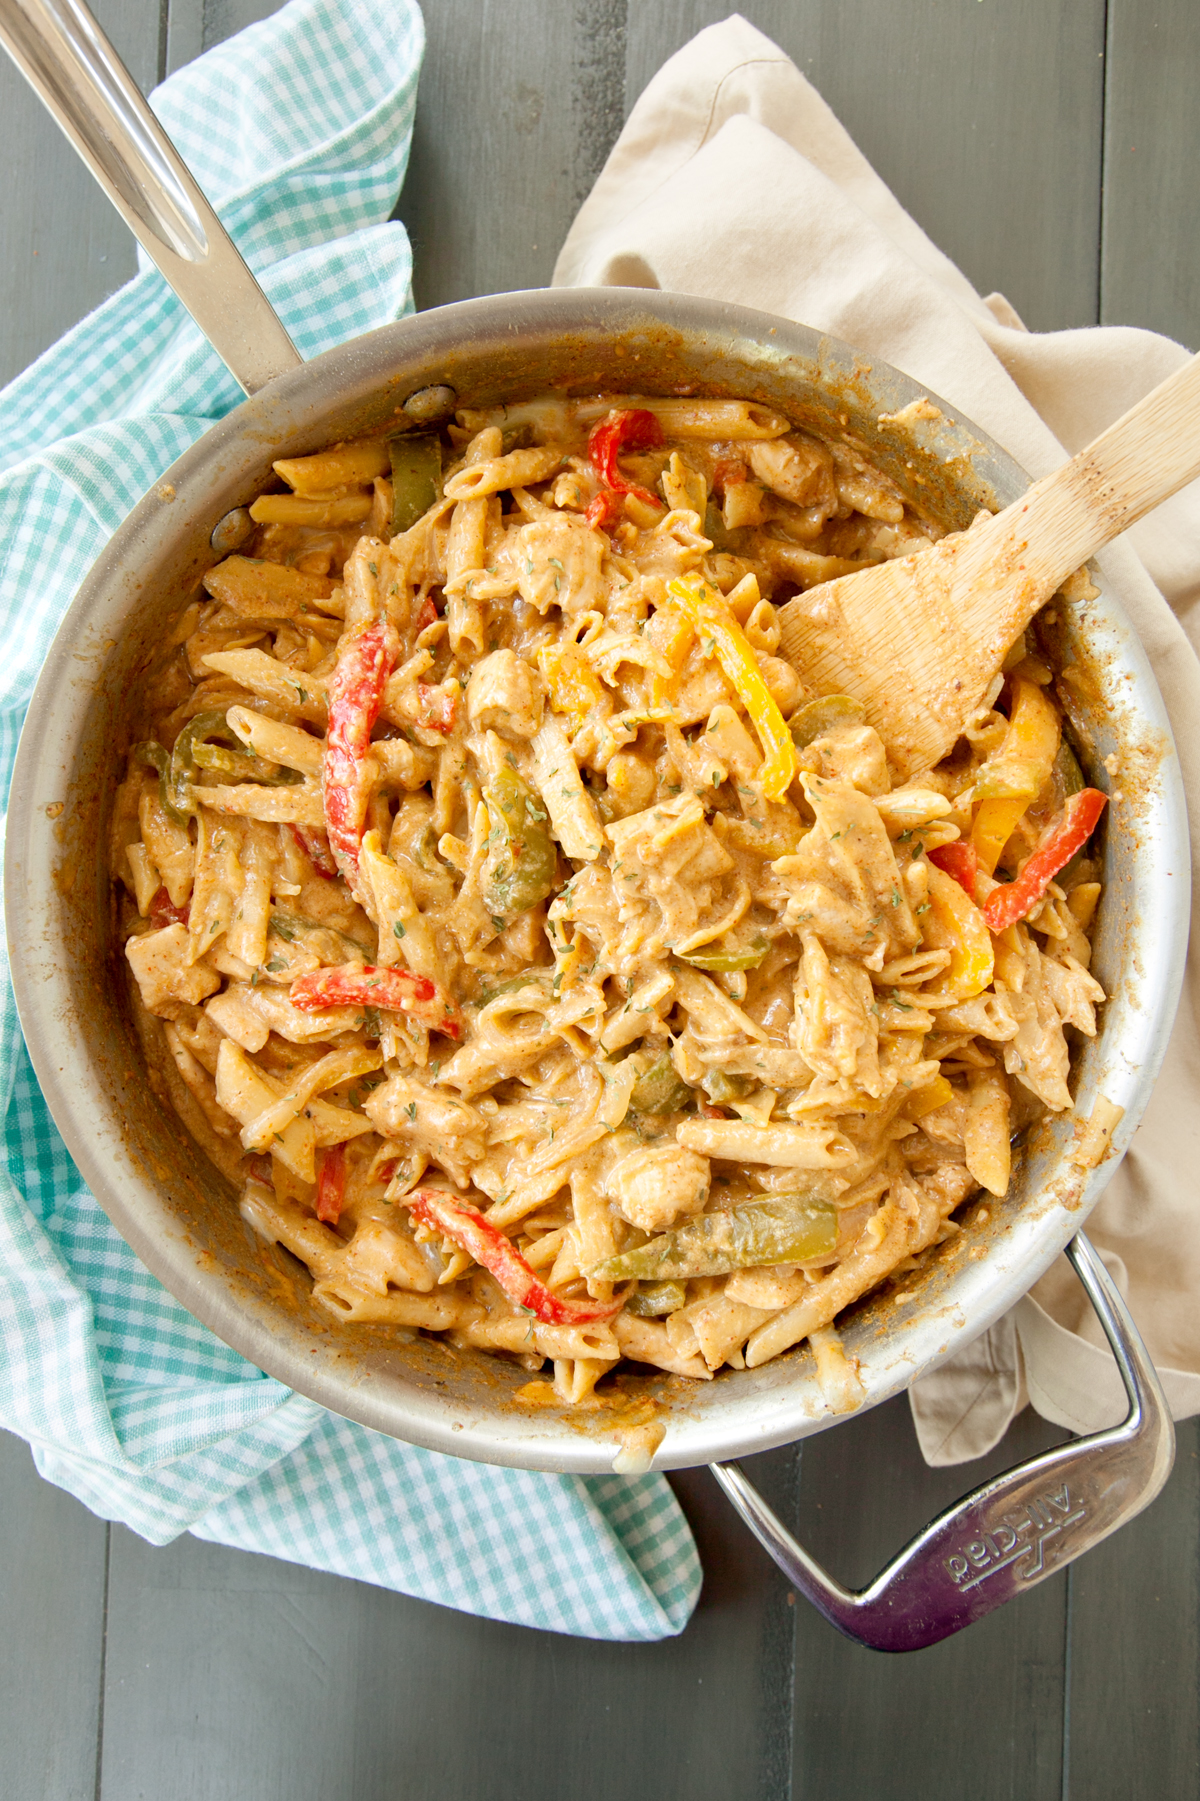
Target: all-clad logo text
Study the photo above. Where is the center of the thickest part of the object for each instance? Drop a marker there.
(1017, 1535)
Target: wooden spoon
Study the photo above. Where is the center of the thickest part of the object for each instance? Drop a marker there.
(918, 639)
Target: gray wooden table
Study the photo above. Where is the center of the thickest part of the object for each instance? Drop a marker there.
(1050, 146)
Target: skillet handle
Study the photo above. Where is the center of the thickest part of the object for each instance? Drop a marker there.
(76, 73)
(1014, 1531)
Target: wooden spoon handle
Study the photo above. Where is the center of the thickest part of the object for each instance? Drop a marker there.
(1146, 456)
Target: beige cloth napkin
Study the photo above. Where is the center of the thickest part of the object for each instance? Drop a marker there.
(733, 180)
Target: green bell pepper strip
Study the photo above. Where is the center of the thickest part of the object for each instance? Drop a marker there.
(532, 977)
(660, 1089)
(824, 715)
(289, 926)
(656, 1299)
(416, 477)
(715, 529)
(1067, 770)
(785, 1229)
(152, 752)
(728, 962)
(242, 768)
(723, 1089)
(193, 753)
(521, 865)
(1068, 778)
(516, 437)
(184, 763)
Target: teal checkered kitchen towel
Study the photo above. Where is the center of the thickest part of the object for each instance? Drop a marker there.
(298, 130)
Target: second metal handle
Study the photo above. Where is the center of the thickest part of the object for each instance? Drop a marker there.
(1014, 1531)
(74, 70)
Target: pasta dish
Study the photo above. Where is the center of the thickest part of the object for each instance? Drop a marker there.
(545, 963)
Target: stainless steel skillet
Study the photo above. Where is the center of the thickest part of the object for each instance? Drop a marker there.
(176, 1211)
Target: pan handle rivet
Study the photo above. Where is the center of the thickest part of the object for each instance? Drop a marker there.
(428, 404)
(231, 532)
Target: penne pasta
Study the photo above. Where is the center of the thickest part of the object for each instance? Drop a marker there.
(567, 978)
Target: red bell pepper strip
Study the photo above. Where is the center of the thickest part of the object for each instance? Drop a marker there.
(355, 693)
(436, 709)
(164, 913)
(390, 990)
(442, 1212)
(728, 473)
(315, 846)
(605, 510)
(331, 1185)
(1069, 833)
(633, 429)
(426, 616)
(960, 860)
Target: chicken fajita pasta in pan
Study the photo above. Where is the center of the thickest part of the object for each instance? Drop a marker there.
(548, 967)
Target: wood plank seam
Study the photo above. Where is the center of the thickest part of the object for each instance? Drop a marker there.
(598, 89)
(1105, 123)
(1066, 1696)
(100, 1675)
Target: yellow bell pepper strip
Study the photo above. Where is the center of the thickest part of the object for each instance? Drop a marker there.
(716, 627)
(1069, 833)
(574, 689)
(672, 635)
(440, 1211)
(929, 1099)
(785, 1229)
(1026, 761)
(972, 962)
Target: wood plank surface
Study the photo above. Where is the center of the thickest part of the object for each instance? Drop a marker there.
(985, 120)
(1150, 265)
(978, 1717)
(52, 1582)
(230, 1675)
(63, 249)
(493, 179)
(1134, 1683)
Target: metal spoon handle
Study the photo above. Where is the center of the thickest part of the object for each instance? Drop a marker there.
(1013, 1532)
(76, 73)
